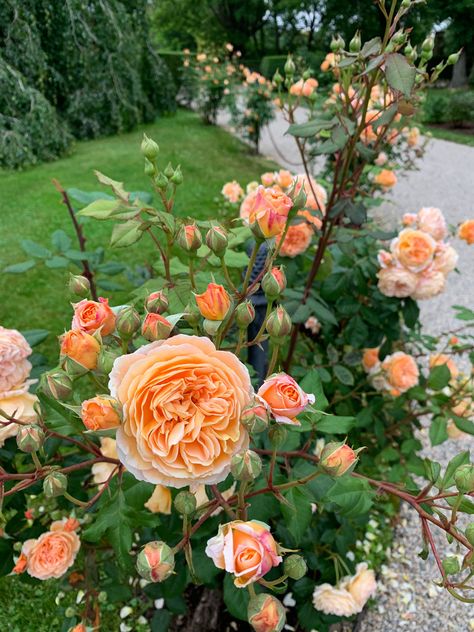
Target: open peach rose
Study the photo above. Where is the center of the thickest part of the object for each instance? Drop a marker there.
(395, 281)
(80, 347)
(232, 191)
(386, 179)
(446, 258)
(370, 359)
(362, 585)
(90, 316)
(414, 249)
(401, 371)
(430, 282)
(466, 231)
(285, 397)
(333, 600)
(182, 401)
(431, 220)
(14, 367)
(53, 552)
(100, 413)
(21, 406)
(297, 240)
(245, 549)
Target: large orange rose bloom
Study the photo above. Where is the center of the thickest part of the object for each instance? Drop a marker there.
(401, 371)
(414, 249)
(182, 402)
(297, 240)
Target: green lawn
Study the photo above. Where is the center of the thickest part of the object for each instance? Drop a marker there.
(31, 207)
(452, 135)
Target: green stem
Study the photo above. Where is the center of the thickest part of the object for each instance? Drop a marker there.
(76, 501)
(225, 271)
(241, 504)
(36, 461)
(240, 341)
(273, 359)
(251, 264)
(191, 273)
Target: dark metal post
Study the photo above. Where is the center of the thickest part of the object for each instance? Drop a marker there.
(258, 354)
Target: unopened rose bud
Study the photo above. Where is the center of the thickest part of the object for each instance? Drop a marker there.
(149, 168)
(337, 44)
(399, 37)
(410, 52)
(185, 503)
(29, 438)
(155, 562)
(55, 484)
(79, 285)
(255, 418)
(127, 322)
(428, 44)
(149, 148)
(214, 303)
(406, 4)
(189, 237)
(168, 171)
(295, 567)
(277, 435)
(278, 323)
(266, 614)
(246, 465)
(277, 78)
(464, 478)
(274, 283)
(451, 565)
(453, 58)
(156, 302)
(100, 413)
(244, 314)
(217, 240)
(355, 43)
(56, 384)
(79, 352)
(289, 67)
(338, 458)
(156, 327)
(469, 533)
(177, 177)
(106, 360)
(192, 315)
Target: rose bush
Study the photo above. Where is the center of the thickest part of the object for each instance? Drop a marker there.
(178, 460)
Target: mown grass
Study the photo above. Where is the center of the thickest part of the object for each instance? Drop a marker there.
(31, 209)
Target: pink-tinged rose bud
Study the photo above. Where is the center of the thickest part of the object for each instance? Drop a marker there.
(381, 159)
(80, 347)
(278, 323)
(156, 302)
(127, 322)
(256, 417)
(92, 316)
(274, 283)
(466, 231)
(79, 285)
(29, 438)
(266, 614)
(155, 562)
(214, 303)
(244, 314)
(285, 398)
(246, 465)
(189, 237)
(156, 327)
(267, 224)
(267, 212)
(247, 550)
(338, 458)
(21, 564)
(100, 413)
(217, 240)
(267, 178)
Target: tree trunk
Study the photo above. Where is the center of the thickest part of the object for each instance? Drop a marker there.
(459, 76)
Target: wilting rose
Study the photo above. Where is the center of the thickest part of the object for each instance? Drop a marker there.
(232, 191)
(332, 600)
(414, 249)
(100, 413)
(386, 179)
(90, 316)
(285, 397)
(446, 258)
(245, 549)
(102, 471)
(182, 401)
(53, 552)
(401, 371)
(430, 283)
(160, 500)
(362, 585)
(370, 359)
(439, 359)
(80, 347)
(399, 282)
(466, 231)
(21, 406)
(14, 367)
(297, 240)
(214, 303)
(431, 220)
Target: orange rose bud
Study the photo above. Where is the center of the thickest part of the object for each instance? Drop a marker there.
(156, 327)
(21, 564)
(155, 562)
(274, 283)
(100, 413)
(266, 614)
(80, 347)
(338, 458)
(156, 302)
(385, 179)
(214, 303)
(466, 231)
(189, 237)
(454, 340)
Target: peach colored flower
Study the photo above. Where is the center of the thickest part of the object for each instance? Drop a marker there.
(332, 600)
(414, 249)
(431, 220)
(160, 500)
(328, 62)
(284, 179)
(297, 240)
(385, 259)
(21, 564)
(270, 616)
(385, 179)
(394, 281)
(14, 367)
(381, 159)
(311, 219)
(413, 137)
(182, 401)
(409, 219)
(102, 471)
(445, 259)
(401, 371)
(430, 283)
(268, 178)
(245, 549)
(269, 211)
(214, 303)
(466, 231)
(80, 347)
(337, 459)
(90, 317)
(285, 397)
(21, 406)
(362, 585)
(370, 359)
(100, 413)
(439, 359)
(313, 325)
(53, 552)
(232, 191)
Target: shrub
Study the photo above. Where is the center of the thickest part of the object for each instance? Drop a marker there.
(271, 63)
(174, 61)
(435, 107)
(461, 108)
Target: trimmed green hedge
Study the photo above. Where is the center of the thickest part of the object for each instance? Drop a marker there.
(271, 63)
(174, 61)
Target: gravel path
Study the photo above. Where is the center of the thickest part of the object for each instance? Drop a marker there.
(408, 599)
